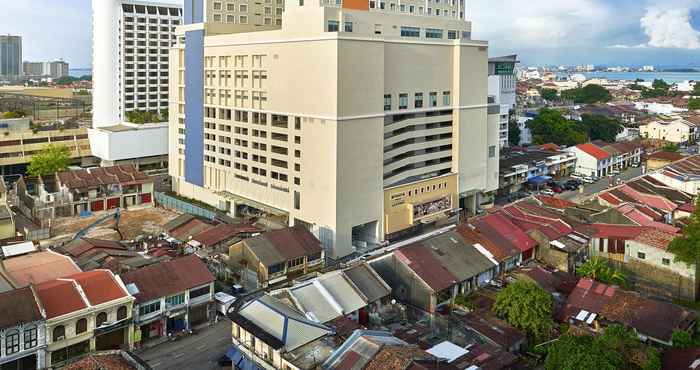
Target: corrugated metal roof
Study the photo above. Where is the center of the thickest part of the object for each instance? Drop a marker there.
(368, 282)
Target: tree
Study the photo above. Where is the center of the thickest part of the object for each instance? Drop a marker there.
(588, 94)
(66, 80)
(686, 247)
(513, 133)
(141, 117)
(653, 93)
(681, 339)
(50, 160)
(694, 103)
(597, 268)
(660, 85)
(527, 307)
(14, 114)
(670, 147)
(551, 127)
(600, 127)
(617, 348)
(696, 89)
(549, 94)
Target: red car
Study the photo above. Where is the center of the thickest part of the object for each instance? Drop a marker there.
(557, 189)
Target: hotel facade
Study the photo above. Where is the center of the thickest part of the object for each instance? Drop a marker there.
(361, 120)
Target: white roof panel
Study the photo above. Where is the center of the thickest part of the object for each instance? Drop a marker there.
(447, 350)
(582, 315)
(18, 249)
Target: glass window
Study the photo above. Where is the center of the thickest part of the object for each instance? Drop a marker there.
(348, 27)
(387, 102)
(149, 308)
(666, 261)
(410, 31)
(175, 300)
(59, 333)
(492, 151)
(641, 255)
(419, 100)
(333, 26)
(12, 342)
(403, 101)
(433, 99)
(452, 35)
(121, 313)
(81, 326)
(101, 319)
(275, 268)
(446, 98)
(30, 337)
(194, 293)
(433, 33)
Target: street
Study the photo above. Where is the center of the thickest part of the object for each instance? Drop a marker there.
(589, 189)
(198, 352)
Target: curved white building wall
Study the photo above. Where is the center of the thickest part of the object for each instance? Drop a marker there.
(105, 62)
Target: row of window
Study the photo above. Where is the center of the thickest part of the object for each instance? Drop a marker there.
(430, 33)
(412, 9)
(417, 100)
(12, 339)
(59, 332)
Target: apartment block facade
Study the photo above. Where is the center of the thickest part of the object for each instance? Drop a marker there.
(53, 69)
(360, 120)
(10, 57)
(502, 85)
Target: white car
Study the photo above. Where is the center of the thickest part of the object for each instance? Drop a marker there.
(547, 192)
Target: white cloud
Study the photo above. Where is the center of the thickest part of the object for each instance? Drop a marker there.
(670, 28)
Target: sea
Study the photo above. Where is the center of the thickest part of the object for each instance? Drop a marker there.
(79, 72)
(669, 77)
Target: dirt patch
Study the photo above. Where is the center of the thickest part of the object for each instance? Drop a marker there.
(134, 222)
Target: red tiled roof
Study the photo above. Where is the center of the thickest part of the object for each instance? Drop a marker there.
(688, 207)
(606, 231)
(555, 202)
(655, 238)
(499, 229)
(680, 358)
(99, 286)
(221, 233)
(93, 177)
(192, 227)
(168, 278)
(38, 267)
(60, 297)
(424, 264)
(500, 251)
(665, 156)
(17, 307)
(593, 151)
(294, 242)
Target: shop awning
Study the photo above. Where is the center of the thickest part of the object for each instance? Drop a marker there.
(538, 180)
(239, 361)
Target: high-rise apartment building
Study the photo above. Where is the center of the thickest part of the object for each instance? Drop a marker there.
(10, 57)
(502, 86)
(361, 120)
(55, 69)
(131, 42)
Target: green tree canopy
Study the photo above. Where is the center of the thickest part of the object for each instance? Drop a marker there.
(589, 94)
(660, 84)
(141, 117)
(653, 93)
(600, 127)
(682, 339)
(513, 133)
(694, 103)
(696, 89)
(549, 94)
(14, 114)
(686, 247)
(527, 307)
(617, 348)
(597, 268)
(551, 127)
(670, 147)
(50, 160)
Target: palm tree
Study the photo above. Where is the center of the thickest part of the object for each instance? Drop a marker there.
(598, 269)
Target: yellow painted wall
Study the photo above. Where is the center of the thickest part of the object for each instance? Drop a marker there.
(399, 201)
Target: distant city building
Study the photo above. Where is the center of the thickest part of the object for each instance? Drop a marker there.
(10, 57)
(648, 69)
(55, 69)
(502, 86)
(131, 43)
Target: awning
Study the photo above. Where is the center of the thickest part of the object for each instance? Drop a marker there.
(538, 180)
(239, 361)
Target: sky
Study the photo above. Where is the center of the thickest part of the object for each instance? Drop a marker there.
(541, 32)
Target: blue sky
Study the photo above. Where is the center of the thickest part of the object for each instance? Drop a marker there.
(614, 32)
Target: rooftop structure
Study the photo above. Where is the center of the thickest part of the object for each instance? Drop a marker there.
(36, 268)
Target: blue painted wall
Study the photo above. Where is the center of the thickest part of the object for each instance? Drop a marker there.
(194, 11)
(194, 107)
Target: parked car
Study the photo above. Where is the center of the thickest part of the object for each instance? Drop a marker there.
(558, 189)
(547, 192)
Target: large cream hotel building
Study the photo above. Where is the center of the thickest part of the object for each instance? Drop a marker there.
(360, 119)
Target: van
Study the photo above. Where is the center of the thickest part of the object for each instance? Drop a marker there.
(223, 302)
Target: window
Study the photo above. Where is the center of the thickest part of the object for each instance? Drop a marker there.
(275, 268)
(30, 337)
(433, 99)
(12, 342)
(492, 151)
(452, 35)
(81, 326)
(419, 100)
(641, 255)
(403, 101)
(445, 98)
(59, 333)
(149, 308)
(175, 300)
(410, 31)
(665, 261)
(121, 313)
(101, 319)
(333, 26)
(295, 262)
(387, 102)
(194, 293)
(433, 33)
(297, 200)
(348, 27)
